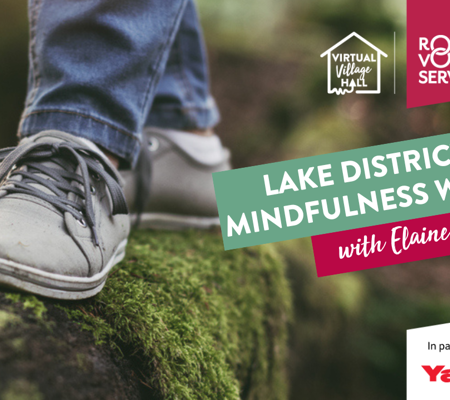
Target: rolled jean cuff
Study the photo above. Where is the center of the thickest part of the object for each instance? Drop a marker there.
(179, 117)
(116, 140)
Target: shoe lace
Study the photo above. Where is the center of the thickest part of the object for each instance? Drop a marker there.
(32, 156)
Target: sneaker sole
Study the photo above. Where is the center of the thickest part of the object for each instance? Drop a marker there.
(32, 280)
(174, 222)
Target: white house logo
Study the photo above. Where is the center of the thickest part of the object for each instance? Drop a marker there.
(434, 57)
(358, 72)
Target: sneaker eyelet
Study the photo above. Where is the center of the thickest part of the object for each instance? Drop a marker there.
(82, 222)
(95, 176)
(93, 190)
(153, 144)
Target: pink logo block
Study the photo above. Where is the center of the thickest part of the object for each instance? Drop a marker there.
(428, 52)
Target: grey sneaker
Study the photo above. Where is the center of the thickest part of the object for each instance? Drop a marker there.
(63, 216)
(180, 183)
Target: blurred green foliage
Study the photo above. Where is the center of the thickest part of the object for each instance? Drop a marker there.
(13, 66)
(348, 341)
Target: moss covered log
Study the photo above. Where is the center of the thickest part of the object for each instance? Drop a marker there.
(179, 318)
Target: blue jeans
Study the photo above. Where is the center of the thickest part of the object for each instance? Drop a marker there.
(104, 69)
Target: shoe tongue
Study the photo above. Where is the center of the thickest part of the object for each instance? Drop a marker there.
(67, 163)
(58, 136)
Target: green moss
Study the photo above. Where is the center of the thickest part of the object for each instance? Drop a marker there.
(21, 389)
(7, 318)
(208, 324)
(83, 362)
(29, 302)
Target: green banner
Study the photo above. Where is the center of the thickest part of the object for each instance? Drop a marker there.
(334, 192)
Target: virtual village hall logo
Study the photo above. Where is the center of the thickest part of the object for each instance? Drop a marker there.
(350, 72)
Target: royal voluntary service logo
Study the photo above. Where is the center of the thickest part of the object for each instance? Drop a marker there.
(434, 55)
(354, 71)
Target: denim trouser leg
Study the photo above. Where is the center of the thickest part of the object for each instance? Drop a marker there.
(183, 100)
(95, 66)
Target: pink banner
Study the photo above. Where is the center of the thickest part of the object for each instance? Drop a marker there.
(382, 245)
(428, 52)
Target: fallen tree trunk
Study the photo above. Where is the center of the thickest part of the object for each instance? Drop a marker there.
(178, 319)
